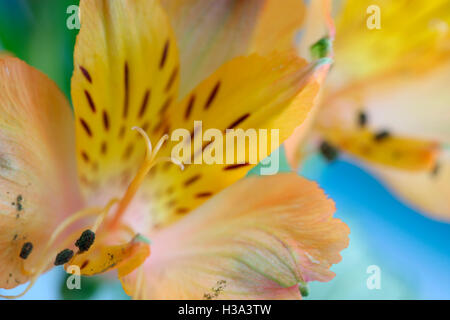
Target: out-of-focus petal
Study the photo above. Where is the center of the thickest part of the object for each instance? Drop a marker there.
(38, 181)
(278, 25)
(384, 148)
(211, 33)
(257, 239)
(428, 191)
(318, 30)
(412, 37)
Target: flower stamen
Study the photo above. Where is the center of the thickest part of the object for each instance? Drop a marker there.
(149, 162)
(48, 257)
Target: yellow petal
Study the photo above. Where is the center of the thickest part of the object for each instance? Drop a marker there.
(38, 182)
(257, 93)
(413, 37)
(126, 74)
(252, 241)
(273, 92)
(383, 148)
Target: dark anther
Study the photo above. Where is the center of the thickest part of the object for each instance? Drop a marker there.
(436, 169)
(63, 257)
(362, 119)
(382, 135)
(19, 203)
(26, 250)
(328, 151)
(85, 241)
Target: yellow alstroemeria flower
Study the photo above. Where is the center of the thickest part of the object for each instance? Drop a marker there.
(213, 234)
(386, 101)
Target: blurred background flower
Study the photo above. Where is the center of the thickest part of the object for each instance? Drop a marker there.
(411, 250)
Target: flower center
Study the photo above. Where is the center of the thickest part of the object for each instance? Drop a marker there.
(149, 162)
(49, 253)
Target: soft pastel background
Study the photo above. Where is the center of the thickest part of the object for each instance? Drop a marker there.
(411, 250)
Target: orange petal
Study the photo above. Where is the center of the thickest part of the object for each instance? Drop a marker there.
(38, 182)
(278, 25)
(252, 241)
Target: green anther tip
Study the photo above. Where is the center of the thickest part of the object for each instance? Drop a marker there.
(303, 287)
(321, 48)
(140, 238)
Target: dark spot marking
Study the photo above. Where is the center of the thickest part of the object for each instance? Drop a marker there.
(236, 166)
(128, 151)
(166, 129)
(144, 103)
(362, 119)
(104, 148)
(164, 55)
(204, 195)
(182, 210)
(5, 165)
(85, 156)
(165, 105)
(172, 79)
(86, 127)
(105, 120)
(26, 250)
(328, 151)
(90, 101)
(381, 136)
(189, 107)
(192, 180)
(145, 126)
(85, 241)
(212, 96)
(86, 74)
(207, 144)
(436, 169)
(158, 126)
(122, 132)
(127, 90)
(63, 257)
(239, 121)
(166, 166)
(84, 265)
(171, 203)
